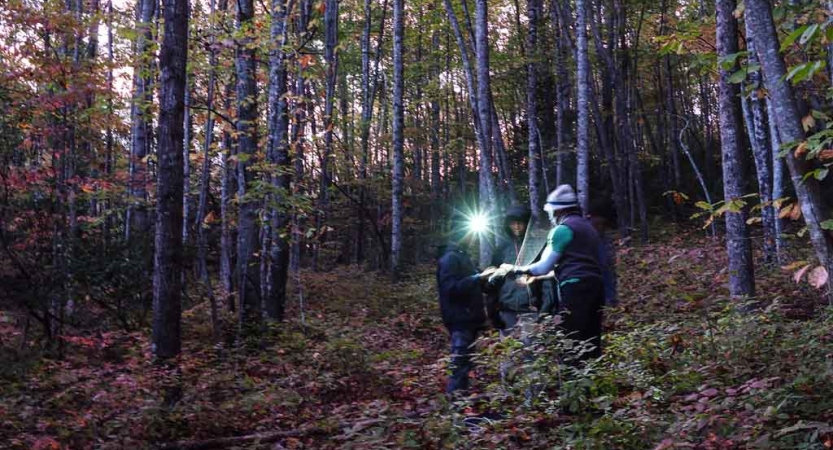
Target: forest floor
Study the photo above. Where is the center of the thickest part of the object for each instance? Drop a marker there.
(683, 368)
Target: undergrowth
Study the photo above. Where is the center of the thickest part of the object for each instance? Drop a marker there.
(683, 367)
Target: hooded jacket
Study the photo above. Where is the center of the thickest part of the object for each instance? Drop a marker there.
(511, 297)
(460, 290)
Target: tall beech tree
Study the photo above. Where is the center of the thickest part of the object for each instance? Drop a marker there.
(248, 274)
(167, 309)
(741, 275)
(788, 119)
(398, 174)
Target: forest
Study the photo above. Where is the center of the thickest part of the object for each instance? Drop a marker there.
(220, 221)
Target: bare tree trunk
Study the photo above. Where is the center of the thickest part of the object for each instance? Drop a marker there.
(436, 186)
(278, 154)
(398, 140)
(788, 122)
(248, 275)
(186, 163)
(532, 109)
(331, 58)
(137, 215)
(759, 138)
(777, 180)
(168, 247)
(741, 274)
(205, 178)
(582, 79)
(486, 183)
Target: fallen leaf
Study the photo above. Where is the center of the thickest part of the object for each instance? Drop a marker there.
(818, 277)
(800, 274)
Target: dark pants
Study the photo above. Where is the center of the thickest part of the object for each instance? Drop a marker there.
(583, 300)
(461, 365)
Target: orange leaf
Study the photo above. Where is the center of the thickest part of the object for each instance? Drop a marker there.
(800, 274)
(818, 277)
(785, 211)
(808, 122)
(801, 149)
(826, 154)
(796, 212)
(305, 61)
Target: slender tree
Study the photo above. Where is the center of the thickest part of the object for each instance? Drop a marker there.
(534, 156)
(788, 123)
(484, 91)
(140, 136)
(582, 80)
(398, 139)
(741, 275)
(248, 276)
(173, 55)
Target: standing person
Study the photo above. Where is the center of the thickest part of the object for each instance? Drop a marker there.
(512, 301)
(460, 287)
(602, 216)
(572, 254)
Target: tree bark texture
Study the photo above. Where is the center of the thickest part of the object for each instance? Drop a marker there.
(582, 80)
(486, 182)
(741, 275)
(398, 140)
(532, 108)
(140, 135)
(248, 274)
(167, 268)
(788, 122)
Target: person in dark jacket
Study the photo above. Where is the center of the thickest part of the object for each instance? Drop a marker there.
(460, 287)
(572, 258)
(511, 300)
(603, 218)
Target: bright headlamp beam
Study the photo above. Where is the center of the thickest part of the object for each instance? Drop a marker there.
(478, 223)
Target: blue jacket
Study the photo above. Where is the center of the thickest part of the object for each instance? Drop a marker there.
(460, 291)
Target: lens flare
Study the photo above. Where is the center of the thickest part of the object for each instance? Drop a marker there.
(478, 223)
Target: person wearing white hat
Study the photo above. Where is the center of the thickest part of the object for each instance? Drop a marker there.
(571, 257)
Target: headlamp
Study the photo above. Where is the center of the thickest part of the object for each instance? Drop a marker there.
(478, 223)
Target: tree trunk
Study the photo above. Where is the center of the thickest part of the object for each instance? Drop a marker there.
(486, 183)
(248, 275)
(436, 187)
(140, 139)
(167, 268)
(278, 154)
(582, 80)
(759, 138)
(398, 140)
(331, 59)
(532, 109)
(788, 122)
(777, 180)
(741, 274)
(205, 178)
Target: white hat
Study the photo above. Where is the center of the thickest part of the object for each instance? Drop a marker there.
(561, 198)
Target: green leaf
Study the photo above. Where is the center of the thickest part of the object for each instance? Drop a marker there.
(827, 224)
(737, 77)
(809, 33)
(728, 62)
(792, 37)
(805, 71)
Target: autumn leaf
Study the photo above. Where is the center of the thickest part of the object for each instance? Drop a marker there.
(800, 273)
(808, 122)
(826, 154)
(801, 149)
(796, 212)
(818, 277)
(305, 61)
